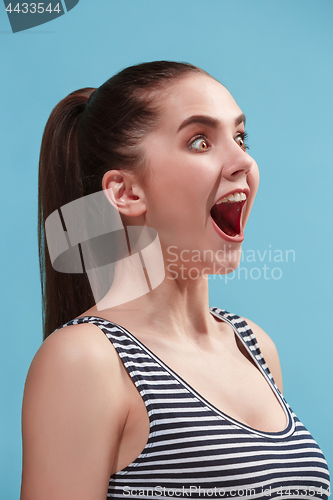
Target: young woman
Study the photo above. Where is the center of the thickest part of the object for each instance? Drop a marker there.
(148, 392)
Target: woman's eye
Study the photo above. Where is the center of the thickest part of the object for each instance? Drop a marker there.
(240, 139)
(199, 144)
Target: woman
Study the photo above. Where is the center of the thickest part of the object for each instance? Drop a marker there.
(178, 400)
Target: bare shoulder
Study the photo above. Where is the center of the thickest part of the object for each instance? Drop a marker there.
(269, 351)
(73, 414)
(75, 354)
(81, 346)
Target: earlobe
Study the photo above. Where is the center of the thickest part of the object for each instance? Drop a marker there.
(123, 192)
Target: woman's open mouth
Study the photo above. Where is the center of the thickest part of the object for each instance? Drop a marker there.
(227, 213)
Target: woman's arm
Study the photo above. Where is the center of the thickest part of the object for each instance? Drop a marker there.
(73, 416)
(269, 352)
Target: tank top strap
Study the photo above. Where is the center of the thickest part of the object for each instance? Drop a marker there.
(246, 335)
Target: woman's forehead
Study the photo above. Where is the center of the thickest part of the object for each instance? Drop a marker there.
(197, 95)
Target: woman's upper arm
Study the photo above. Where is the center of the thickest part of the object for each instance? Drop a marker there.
(269, 352)
(72, 417)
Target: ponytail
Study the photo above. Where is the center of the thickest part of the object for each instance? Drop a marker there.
(64, 296)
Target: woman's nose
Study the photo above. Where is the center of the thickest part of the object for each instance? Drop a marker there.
(239, 163)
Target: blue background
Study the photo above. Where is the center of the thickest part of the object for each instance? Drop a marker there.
(276, 59)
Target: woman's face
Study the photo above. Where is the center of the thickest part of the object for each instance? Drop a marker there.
(202, 181)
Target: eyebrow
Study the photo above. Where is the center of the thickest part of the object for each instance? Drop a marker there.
(208, 120)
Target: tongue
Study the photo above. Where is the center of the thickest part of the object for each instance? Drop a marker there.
(227, 216)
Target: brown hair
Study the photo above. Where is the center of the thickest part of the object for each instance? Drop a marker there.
(88, 133)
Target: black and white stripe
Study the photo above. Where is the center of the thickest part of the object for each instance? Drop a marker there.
(196, 451)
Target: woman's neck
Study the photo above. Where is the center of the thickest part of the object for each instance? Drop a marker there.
(174, 307)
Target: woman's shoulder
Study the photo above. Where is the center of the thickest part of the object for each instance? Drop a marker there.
(266, 344)
(75, 363)
(74, 410)
(73, 357)
(263, 338)
(75, 345)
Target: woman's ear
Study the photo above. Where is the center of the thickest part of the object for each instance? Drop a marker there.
(124, 193)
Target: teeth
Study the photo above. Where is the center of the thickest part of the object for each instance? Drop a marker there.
(233, 197)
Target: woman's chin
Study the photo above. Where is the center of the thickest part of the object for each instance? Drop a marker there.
(227, 269)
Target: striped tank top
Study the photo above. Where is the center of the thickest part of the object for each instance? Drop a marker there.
(195, 450)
